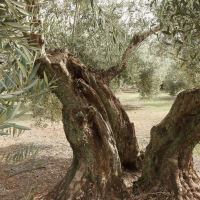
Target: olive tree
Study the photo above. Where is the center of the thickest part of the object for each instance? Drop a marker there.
(168, 164)
(18, 81)
(99, 130)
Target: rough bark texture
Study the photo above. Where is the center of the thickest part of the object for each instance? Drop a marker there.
(96, 125)
(97, 128)
(168, 164)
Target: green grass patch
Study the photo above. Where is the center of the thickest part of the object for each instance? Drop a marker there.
(132, 102)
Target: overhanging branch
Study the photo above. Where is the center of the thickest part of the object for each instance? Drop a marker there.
(112, 72)
(135, 41)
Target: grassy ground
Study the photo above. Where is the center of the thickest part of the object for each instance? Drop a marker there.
(56, 155)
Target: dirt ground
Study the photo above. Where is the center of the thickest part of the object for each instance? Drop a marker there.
(55, 154)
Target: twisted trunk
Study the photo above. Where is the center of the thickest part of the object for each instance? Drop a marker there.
(94, 121)
(168, 160)
(96, 125)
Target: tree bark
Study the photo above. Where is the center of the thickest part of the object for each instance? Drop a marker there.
(96, 125)
(97, 128)
(168, 164)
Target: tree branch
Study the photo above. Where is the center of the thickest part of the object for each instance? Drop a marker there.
(37, 38)
(109, 74)
(112, 72)
(136, 40)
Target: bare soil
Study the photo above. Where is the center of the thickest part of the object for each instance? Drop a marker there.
(55, 154)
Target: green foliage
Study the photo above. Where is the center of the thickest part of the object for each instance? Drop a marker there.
(52, 110)
(17, 86)
(98, 36)
(20, 157)
(174, 84)
(149, 82)
(91, 34)
(18, 81)
(30, 194)
(180, 33)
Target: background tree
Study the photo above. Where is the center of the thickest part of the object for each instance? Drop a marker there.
(168, 164)
(174, 83)
(99, 130)
(180, 36)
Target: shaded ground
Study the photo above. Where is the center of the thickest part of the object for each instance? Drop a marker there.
(55, 153)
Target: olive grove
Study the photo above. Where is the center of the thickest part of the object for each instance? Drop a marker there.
(96, 125)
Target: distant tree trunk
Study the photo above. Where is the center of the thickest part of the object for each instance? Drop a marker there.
(168, 164)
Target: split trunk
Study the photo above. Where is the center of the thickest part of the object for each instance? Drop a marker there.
(103, 138)
(97, 128)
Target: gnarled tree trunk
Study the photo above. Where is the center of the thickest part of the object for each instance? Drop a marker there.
(96, 125)
(168, 164)
(94, 121)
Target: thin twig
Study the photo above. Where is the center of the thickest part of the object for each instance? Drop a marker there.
(21, 172)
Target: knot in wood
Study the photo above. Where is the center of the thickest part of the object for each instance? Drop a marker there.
(80, 117)
(75, 110)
